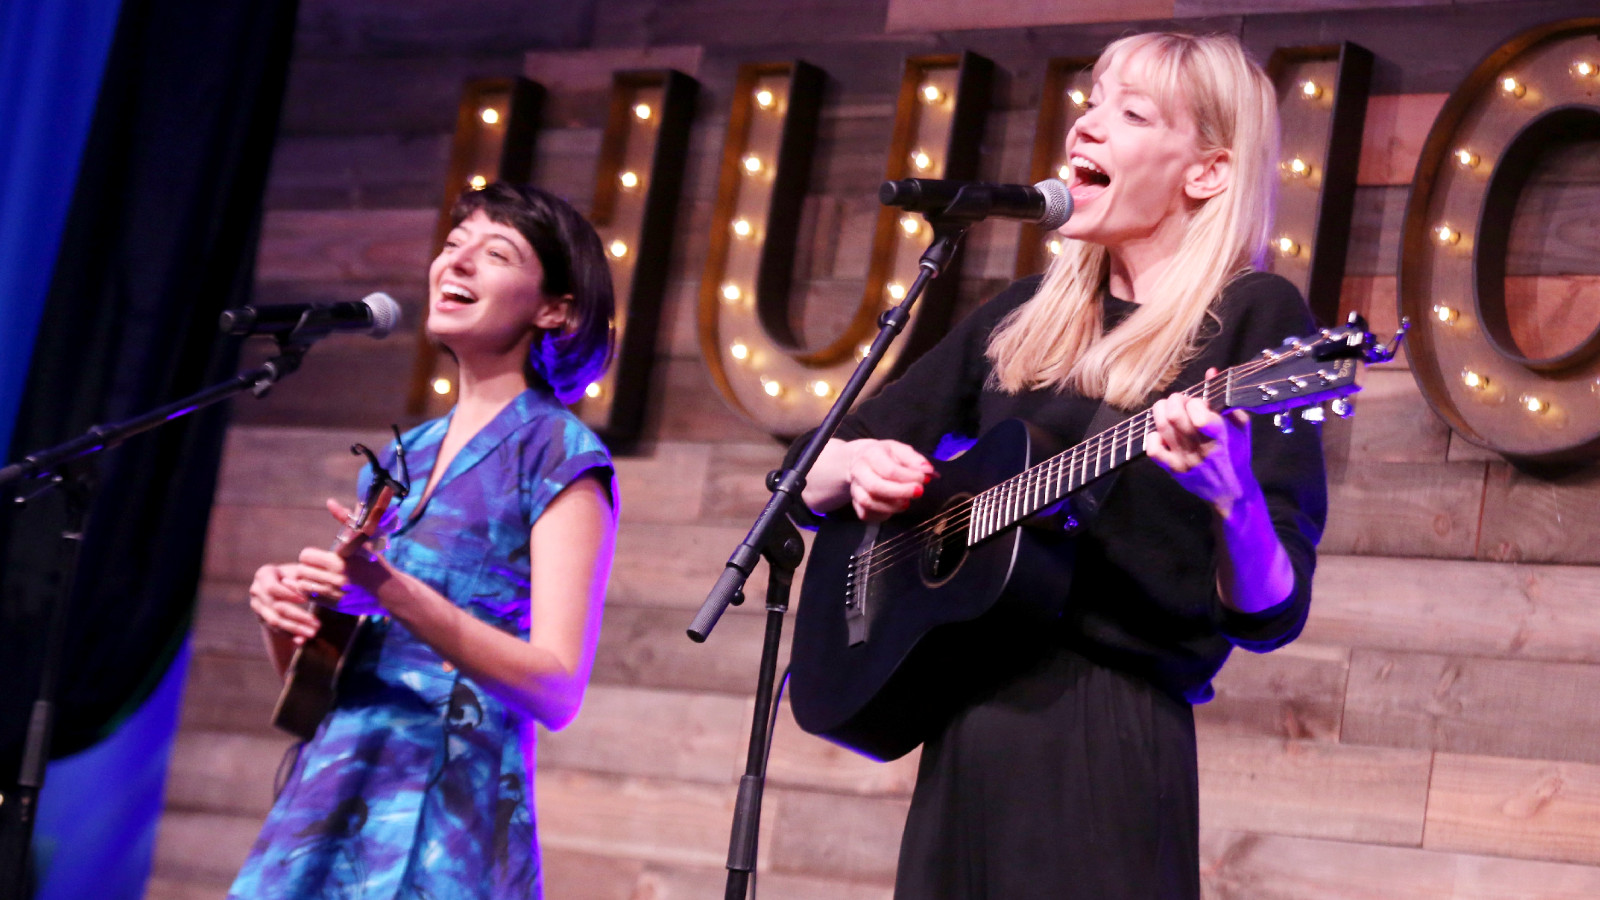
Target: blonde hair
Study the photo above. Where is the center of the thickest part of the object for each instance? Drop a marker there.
(1056, 339)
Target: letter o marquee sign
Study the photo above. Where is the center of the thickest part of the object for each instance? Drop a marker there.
(1542, 84)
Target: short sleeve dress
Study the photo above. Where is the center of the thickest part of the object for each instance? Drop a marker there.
(419, 784)
(1070, 771)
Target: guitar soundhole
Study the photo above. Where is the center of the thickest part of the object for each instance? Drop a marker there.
(944, 549)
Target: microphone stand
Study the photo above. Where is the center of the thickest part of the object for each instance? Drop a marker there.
(774, 537)
(64, 466)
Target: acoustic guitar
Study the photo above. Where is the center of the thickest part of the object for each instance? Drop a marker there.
(310, 683)
(878, 634)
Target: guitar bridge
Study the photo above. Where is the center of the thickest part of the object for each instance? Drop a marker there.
(858, 588)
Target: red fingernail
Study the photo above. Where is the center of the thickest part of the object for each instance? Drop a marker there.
(918, 491)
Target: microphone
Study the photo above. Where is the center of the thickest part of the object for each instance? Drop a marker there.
(376, 314)
(1047, 204)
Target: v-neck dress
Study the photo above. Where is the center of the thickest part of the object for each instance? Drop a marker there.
(419, 783)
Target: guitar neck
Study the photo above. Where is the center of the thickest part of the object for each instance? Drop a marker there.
(1047, 483)
(1041, 486)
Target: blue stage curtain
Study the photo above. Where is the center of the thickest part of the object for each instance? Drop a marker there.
(157, 234)
(51, 57)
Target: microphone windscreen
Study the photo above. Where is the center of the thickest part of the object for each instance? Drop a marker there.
(1057, 203)
(385, 313)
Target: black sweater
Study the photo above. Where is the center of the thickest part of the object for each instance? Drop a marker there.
(1143, 596)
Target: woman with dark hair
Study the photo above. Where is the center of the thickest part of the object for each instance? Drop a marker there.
(1069, 770)
(485, 603)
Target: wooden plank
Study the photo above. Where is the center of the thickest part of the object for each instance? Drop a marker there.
(1238, 865)
(1514, 807)
(1541, 517)
(1553, 232)
(240, 539)
(288, 466)
(955, 15)
(1392, 424)
(1489, 707)
(666, 485)
(675, 565)
(848, 837)
(1243, 866)
(230, 694)
(1373, 795)
(686, 406)
(725, 22)
(1295, 692)
(652, 820)
(805, 761)
(224, 622)
(736, 487)
(367, 171)
(1457, 607)
(1392, 137)
(575, 875)
(161, 888)
(204, 847)
(371, 27)
(225, 772)
(324, 245)
(647, 647)
(1376, 218)
(1552, 315)
(664, 882)
(348, 381)
(385, 94)
(1405, 509)
(688, 736)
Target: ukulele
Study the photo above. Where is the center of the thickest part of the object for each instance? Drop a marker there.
(310, 683)
(879, 630)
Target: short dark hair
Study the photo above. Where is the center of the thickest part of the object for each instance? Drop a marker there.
(574, 264)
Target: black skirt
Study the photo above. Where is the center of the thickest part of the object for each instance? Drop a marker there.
(1071, 780)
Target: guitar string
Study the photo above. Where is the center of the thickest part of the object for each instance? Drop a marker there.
(1074, 459)
(959, 516)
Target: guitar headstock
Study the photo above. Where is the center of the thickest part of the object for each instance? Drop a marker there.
(368, 515)
(1308, 370)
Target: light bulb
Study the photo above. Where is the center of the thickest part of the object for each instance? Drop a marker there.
(1310, 90)
(931, 93)
(739, 350)
(618, 249)
(442, 386)
(910, 224)
(1288, 247)
(1512, 86)
(490, 115)
(1446, 235)
(743, 228)
(629, 180)
(764, 99)
(1445, 314)
(478, 182)
(642, 111)
(593, 390)
(730, 292)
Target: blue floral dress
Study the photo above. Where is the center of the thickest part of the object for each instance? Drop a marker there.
(419, 784)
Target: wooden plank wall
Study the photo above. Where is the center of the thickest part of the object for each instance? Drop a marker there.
(1432, 735)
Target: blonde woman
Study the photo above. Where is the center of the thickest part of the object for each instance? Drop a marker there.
(1070, 770)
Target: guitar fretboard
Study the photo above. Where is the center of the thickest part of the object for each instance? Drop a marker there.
(1042, 485)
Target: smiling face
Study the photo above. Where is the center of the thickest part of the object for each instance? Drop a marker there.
(486, 291)
(1136, 165)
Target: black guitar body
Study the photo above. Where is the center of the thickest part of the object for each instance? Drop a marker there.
(880, 648)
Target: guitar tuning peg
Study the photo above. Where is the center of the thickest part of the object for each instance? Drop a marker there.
(1343, 407)
(1313, 414)
(1284, 422)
